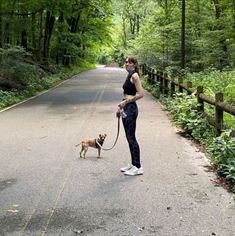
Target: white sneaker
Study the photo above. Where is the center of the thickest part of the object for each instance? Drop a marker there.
(135, 171)
(126, 168)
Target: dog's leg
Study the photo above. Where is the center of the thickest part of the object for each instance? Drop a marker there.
(82, 150)
(85, 150)
(98, 152)
(81, 153)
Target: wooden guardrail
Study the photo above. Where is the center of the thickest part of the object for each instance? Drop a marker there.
(169, 86)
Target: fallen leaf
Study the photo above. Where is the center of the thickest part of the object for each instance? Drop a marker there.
(13, 211)
(141, 228)
(78, 231)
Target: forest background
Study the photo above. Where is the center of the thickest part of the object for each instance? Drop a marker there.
(48, 36)
(43, 42)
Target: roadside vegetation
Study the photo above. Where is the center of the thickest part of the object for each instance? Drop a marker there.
(45, 42)
(182, 108)
(21, 79)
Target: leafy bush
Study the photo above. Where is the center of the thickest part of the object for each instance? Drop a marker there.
(12, 51)
(215, 81)
(183, 109)
(222, 151)
(9, 98)
(34, 81)
(19, 72)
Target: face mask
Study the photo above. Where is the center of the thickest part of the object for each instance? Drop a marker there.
(131, 69)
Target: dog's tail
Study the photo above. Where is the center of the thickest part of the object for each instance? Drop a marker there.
(78, 144)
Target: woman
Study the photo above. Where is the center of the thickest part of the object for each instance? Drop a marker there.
(132, 90)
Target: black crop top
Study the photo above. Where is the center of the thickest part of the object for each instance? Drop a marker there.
(128, 86)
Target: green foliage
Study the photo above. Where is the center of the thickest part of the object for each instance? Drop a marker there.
(210, 37)
(152, 88)
(8, 98)
(19, 72)
(184, 112)
(214, 81)
(36, 84)
(12, 51)
(222, 151)
(53, 30)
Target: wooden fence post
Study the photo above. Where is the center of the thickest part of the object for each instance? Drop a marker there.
(161, 81)
(180, 81)
(172, 87)
(158, 76)
(199, 100)
(152, 76)
(219, 97)
(189, 86)
(142, 69)
(149, 74)
(165, 84)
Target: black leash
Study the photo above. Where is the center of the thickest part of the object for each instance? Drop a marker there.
(120, 113)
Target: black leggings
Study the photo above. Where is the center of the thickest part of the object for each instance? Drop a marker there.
(129, 124)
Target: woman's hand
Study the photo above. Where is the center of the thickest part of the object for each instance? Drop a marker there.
(122, 104)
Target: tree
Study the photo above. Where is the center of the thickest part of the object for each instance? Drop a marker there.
(207, 40)
(55, 30)
(183, 36)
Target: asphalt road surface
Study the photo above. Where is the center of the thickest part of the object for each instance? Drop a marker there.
(46, 189)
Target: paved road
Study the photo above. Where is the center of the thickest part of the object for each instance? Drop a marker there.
(45, 189)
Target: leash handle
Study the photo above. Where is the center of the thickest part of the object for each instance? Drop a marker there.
(121, 113)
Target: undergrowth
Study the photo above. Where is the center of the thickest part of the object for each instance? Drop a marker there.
(20, 80)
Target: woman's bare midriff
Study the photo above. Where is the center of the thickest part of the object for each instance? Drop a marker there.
(126, 96)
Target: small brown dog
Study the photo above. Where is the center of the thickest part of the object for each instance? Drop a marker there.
(95, 143)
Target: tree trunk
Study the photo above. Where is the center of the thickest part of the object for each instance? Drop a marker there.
(1, 31)
(218, 14)
(24, 41)
(166, 49)
(49, 24)
(131, 26)
(9, 34)
(6, 38)
(199, 13)
(73, 23)
(1, 34)
(218, 8)
(233, 15)
(58, 53)
(124, 33)
(33, 29)
(137, 23)
(183, 36)
(39, 49)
